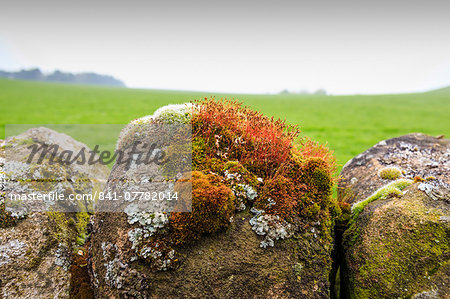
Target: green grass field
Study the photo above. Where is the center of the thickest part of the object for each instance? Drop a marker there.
(349, 124)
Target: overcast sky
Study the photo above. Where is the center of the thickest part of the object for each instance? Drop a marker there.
(346, 47)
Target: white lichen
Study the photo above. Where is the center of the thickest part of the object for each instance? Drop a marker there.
(15, 170)
(11, 250)
(62, 257)
(270, 226)
(251, 193)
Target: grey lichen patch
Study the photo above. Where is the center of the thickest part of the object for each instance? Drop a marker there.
(63, 257)
(244, 194)
(15, 170)
(150, 223)
(272, 227)
(431, 294)
(436, 189)
(11, 250)
(242, 183)
(113, 265)
(250, 193)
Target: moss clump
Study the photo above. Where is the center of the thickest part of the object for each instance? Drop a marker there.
(393, 189)
(316, 172)
(399, 250)
(389, 173)
(241, 160)
(62, 232)
(291, 180)
(174, 117)
(212, 208)
(234, 132)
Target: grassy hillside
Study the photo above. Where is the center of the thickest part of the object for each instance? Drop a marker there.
(350, 124)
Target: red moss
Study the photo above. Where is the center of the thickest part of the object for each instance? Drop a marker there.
(235, 132)
(308, 148)
(283, 191)
(212, 208)
(418, 179)
(297, 177)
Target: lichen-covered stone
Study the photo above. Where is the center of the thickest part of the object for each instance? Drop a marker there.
(261, 220)
(36, 247)
(397, 242)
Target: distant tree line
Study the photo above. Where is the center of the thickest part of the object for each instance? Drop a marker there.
(58, 76)
(320, 92)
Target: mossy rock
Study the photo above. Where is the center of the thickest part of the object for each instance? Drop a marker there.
(261, 223)
(36, 248)
(398, 248)
(396, 243)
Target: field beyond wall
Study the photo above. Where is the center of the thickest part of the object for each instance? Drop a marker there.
(349, 124)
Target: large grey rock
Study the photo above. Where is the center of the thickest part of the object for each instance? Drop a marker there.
(397, 245)
(135, 254)
(36, 247)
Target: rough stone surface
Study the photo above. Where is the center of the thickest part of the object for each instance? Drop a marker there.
(225, 265)
(248, 259)
(398, 246)
(36, 252)
(415, 154)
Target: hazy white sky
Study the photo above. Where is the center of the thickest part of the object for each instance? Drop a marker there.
(345, 47)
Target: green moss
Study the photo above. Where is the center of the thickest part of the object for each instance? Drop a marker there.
(408, 264)
(389, 173)
(316, 173)
(323, 181)
(62, 232)
(81, 227)
(198, 152)
(311, 211)
(170, 117)
(393, 189)
(390, 258)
